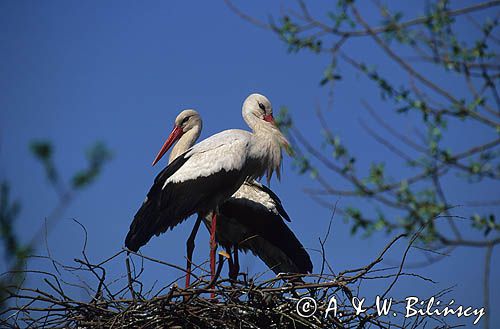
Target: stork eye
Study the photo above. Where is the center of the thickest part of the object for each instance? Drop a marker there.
(262, 107)
(185, 120)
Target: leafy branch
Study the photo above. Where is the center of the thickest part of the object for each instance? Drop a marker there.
(18, 252)
(435, 64)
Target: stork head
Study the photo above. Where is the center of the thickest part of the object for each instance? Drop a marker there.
(258, 106)
(187, 120)
(258, 114)
(184, 122)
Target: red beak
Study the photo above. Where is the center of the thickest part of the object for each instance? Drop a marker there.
(269, 118)
(172, 138)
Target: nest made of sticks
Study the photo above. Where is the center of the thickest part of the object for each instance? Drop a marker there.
(284, 301)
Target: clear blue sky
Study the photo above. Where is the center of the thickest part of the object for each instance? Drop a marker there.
(76, 72)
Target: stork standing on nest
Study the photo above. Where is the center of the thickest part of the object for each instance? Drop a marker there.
(252, 219)
(207, 174)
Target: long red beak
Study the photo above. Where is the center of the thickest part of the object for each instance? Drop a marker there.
(172, 138)
(269, 118)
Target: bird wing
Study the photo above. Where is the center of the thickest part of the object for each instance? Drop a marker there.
(251, 222)
(195, 181)
(223, 151)
(265, 193)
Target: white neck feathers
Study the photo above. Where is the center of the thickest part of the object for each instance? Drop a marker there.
(185, 142)
(266, 144)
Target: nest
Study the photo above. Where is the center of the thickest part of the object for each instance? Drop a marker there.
(285, 301)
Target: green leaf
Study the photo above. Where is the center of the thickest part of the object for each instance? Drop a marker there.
(41, 149)
(97, 156)
(43, 152)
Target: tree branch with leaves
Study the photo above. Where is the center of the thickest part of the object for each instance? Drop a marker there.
(17, 252)
(435, 63)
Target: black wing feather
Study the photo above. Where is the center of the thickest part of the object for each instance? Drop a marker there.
(276, 200)
(266, 235)
(166, 207)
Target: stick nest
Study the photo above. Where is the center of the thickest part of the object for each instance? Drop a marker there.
(123, 302)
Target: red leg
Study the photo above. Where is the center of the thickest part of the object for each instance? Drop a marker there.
(213, 245)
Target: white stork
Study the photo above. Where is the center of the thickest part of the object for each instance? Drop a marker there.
(208, 173)
(251, 219)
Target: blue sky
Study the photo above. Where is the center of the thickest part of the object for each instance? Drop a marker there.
(76, 72)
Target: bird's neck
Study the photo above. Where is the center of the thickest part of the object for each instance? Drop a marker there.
(184, 143)
(267, 141)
